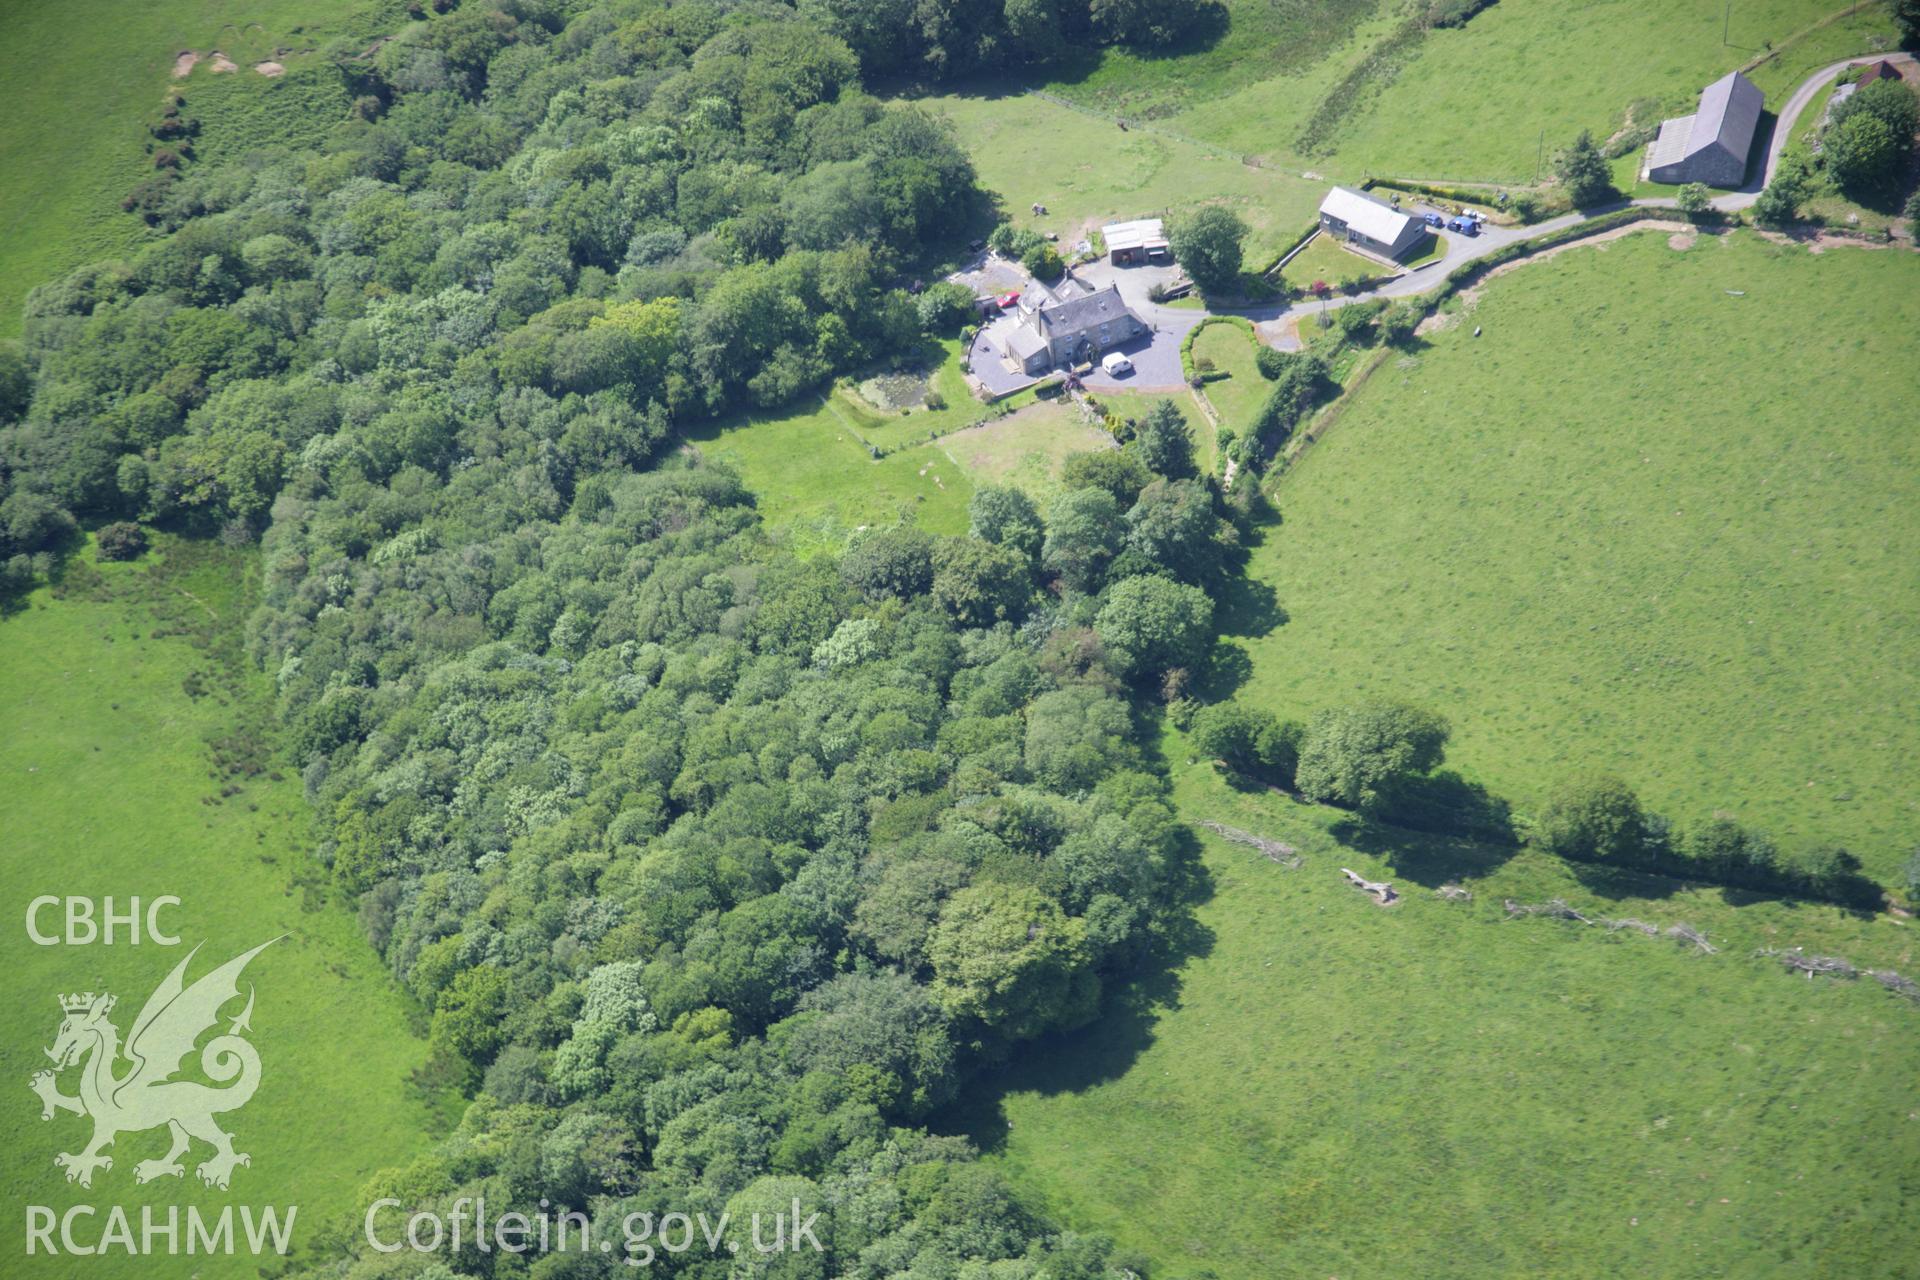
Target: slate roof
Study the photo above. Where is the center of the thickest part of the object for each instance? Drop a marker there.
(1671, 146)
(1374, 219)
(1077, 315)
(1728, 115)
(1023, 344)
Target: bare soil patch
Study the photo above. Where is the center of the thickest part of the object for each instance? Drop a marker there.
(269, 69)
(184, 63)
(221, 63)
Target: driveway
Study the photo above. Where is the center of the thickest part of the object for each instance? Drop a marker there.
(987, 358)
(1789, 115)
(1155, 355)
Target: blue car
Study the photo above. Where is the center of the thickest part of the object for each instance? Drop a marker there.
(1434, 219)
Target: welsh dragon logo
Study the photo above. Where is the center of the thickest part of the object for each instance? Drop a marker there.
(147, 1094)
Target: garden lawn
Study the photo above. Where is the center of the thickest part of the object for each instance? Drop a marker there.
(1325, 259)
(1626, 531)
(1238, 396)
(1137, 404)
(82, 79)
(1087, 172)
(106, 788)
(1323, 1087)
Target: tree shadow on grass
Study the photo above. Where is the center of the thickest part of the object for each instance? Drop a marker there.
(1423, 857)
(1106, 1048)
(1617, 883)
(1247, 607)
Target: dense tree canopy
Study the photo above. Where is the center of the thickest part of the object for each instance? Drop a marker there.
(716, 869)
(1360, 756)
(1207, 243)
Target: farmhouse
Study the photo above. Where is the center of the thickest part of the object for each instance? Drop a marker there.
(1881, 70)
(1068, 323)
(1370, 224)
(1710, 145)
(1134, 242)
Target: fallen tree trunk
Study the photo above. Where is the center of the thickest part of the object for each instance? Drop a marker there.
(1382, 892)
(1274, 850)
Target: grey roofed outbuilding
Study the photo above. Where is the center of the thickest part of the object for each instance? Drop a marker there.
(1023, 344)
(1132, 241)
(1712, 144)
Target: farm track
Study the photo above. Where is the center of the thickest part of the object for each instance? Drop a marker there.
(1270, 321)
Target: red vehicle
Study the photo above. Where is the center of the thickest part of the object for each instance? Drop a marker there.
(1008, 301)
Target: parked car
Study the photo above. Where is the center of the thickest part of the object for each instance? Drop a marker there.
(1116, 364)
(1465, 226)
(1434, 219)
(1008, 301)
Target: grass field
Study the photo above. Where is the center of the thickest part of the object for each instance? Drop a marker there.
(814, 478)
(1025, 448)
(1620, 532)
(1261, 40)
(1481, 102)
(1087, 172)
(82, 78)
(1322, 1087)
(107, 791)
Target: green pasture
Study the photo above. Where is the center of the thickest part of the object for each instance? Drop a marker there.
(82, 80)
(110, 697)
(1261, 40)
(1088, 172)
(813, 475)
(1488, 100)
(1317, 1086)
(1623, 531)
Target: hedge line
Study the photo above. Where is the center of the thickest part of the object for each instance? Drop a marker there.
(1525, 206)
(1186, 343)
(1297, 241)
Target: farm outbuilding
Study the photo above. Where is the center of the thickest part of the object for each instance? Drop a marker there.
(1881, 70)
(1134, 242)
(1370, 224)
(1712, 144)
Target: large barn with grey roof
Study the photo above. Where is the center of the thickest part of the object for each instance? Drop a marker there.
(1712, 144)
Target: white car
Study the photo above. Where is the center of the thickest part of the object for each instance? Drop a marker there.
(1115, 364)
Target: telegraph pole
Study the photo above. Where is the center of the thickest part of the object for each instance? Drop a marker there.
(1726, 24)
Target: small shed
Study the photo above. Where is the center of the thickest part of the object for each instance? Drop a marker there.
(1135, 242)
